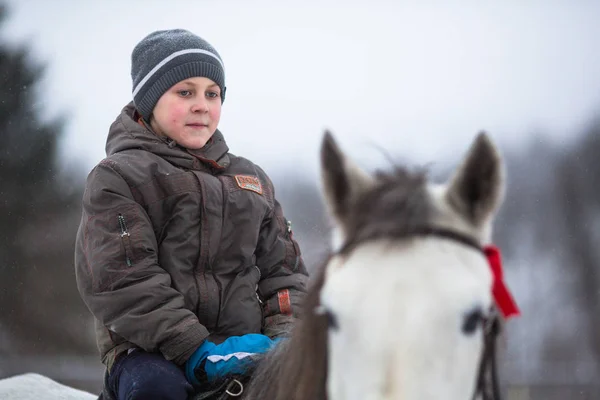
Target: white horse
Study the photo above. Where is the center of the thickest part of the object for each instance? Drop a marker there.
(404, 309)
(410, 290)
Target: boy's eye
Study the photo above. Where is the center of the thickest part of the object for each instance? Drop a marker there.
(212, 94)
(184, 93)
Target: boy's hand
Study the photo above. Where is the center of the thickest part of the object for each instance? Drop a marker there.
(212, 362)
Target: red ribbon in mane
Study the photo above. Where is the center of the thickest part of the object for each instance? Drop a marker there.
(507, 305)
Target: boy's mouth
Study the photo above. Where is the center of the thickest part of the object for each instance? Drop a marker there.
(197, 125)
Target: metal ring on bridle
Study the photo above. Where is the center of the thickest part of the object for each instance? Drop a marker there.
(229, 387)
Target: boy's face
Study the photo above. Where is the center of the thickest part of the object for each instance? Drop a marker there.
(188, 112)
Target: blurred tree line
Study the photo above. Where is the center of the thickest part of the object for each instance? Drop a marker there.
(38, 215)
(549, 228)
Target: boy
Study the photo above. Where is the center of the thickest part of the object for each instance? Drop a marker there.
(183, 255)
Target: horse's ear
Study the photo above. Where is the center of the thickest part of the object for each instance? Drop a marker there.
(477, 188)
(343, 181)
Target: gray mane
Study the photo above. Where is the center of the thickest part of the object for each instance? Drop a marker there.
(296, 369)
(396, 206)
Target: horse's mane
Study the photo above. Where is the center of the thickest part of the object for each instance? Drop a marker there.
(296, 368)
(396, 206)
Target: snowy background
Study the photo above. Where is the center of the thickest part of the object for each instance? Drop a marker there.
(418, 79)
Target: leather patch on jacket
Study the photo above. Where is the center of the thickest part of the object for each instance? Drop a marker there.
(248, 182)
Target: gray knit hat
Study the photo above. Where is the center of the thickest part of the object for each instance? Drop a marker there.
(164, 58)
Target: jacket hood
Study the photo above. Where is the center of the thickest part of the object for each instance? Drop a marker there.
(126, 133)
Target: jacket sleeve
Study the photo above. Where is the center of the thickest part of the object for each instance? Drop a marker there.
(283, 274)
(118, 275)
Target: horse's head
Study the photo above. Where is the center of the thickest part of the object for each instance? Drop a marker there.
(407, 291)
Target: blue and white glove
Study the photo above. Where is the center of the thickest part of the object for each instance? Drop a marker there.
(231, 357)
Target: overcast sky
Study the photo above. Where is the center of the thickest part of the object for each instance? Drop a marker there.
(418, 78)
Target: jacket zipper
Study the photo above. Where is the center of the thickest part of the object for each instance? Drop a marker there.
(260, 302)
(256, 288)
(125, 237)
(288, 225)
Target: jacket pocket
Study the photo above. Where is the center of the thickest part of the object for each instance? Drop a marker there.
(126, 240)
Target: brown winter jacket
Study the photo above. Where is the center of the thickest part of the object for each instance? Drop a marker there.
(177, 244)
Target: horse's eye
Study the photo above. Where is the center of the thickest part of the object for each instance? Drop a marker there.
(332, 322)
(472, 321)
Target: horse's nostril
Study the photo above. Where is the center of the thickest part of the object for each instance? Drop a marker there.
(472, 321)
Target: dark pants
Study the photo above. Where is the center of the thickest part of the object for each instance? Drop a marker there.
(142, 375)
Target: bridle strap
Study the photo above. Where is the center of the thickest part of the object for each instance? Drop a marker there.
(448, 234)
(420, 231)
(488, 362)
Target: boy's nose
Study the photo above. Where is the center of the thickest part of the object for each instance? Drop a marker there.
(200, 106)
